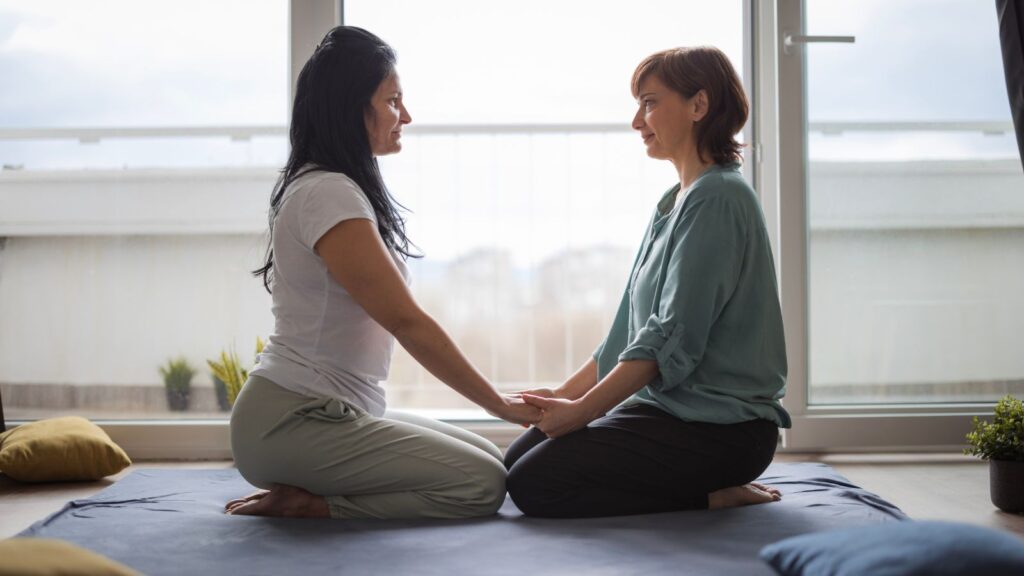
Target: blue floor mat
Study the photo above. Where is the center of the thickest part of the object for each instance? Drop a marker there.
(161, 521)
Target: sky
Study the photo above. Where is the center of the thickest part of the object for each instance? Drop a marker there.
(116, 63)
(129, 63)
(196, 62)
(921, 60)
(912, 61)
(537, 60)
(132, 63)
(140, 62)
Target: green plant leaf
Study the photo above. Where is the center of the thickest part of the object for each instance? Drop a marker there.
(1003, 438)
(177, 374)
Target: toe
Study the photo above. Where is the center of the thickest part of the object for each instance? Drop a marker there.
(766, 488)
(248, 508)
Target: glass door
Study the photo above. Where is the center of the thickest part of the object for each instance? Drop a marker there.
(904, 195)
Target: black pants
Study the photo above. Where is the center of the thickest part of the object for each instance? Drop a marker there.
(634, 460)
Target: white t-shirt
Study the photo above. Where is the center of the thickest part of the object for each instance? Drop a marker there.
(324, 343)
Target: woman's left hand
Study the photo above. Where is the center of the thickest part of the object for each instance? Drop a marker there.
(560, 416)
(516, 410)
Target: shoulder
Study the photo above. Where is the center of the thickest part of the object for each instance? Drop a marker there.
(321, 182)
(719, 203)
(331, 191)
(724, 191)
(724, 184)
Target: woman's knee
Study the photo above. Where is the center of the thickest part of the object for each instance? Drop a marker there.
(520, 446)
(487, 491)
(253, 473)
(534, 486)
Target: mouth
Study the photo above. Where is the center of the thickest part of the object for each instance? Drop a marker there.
(648, 138)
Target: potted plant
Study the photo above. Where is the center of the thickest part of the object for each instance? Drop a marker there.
(229, 375)
(1001, 442)
(177, 376)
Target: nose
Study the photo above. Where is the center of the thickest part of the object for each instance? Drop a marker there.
(403, 115)
(638, 119)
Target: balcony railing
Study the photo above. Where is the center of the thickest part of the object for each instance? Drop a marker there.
(245, 133)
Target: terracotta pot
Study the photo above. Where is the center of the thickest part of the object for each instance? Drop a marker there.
(1006, 485)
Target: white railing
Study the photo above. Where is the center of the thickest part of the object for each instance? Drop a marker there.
(94, 135)
(88, 135)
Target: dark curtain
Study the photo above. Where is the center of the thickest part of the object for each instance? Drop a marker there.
(3, 423)
(1011, 36)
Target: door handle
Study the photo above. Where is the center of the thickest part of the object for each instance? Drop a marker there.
(792, 40)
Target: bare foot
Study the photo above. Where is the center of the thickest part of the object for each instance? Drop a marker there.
(769, 489)
(239, 501)
(747, 494)
(286, 502)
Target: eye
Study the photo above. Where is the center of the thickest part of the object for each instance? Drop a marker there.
(647, 104)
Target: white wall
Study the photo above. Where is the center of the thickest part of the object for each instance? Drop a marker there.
(917, 272)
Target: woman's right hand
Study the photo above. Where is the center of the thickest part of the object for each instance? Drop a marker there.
(514, 409)
(542, 392)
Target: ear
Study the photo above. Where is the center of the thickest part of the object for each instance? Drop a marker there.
(700, 105)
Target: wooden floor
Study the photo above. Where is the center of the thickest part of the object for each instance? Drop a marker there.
(925, 486)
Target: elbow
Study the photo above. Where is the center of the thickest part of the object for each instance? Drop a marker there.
(401, 326)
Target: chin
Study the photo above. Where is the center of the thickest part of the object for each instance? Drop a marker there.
(393, 149)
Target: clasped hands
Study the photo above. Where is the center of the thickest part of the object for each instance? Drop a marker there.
(558, 415)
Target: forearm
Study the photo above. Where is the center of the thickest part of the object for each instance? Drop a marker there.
(431, 346)
(562, 416)
(622, 382)
(579, 383)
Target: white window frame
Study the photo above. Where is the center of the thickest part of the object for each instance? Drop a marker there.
(782, 103)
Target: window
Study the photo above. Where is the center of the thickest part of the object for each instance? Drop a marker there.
(528, 190)
(141, 147)
(912, 221)
(138, 150)
(915, 212)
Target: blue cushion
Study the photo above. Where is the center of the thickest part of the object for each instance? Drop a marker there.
(899, 548)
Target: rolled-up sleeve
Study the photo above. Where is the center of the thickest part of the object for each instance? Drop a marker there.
(698, 273)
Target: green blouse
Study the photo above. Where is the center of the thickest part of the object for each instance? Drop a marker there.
(702, 301)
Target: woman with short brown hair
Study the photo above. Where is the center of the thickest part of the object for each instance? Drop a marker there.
(679, 407)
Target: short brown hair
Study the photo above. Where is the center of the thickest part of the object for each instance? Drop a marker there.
(690, 70)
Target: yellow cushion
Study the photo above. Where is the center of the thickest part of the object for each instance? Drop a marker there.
(46, 557)
(60, 449)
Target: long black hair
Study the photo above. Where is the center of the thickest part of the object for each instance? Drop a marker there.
(328, 130)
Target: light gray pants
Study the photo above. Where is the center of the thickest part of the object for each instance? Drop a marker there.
(398, 466)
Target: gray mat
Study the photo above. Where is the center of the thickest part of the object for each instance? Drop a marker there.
(172, 522)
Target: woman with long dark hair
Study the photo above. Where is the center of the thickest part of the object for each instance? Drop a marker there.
(679, 407)
(310, 425)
